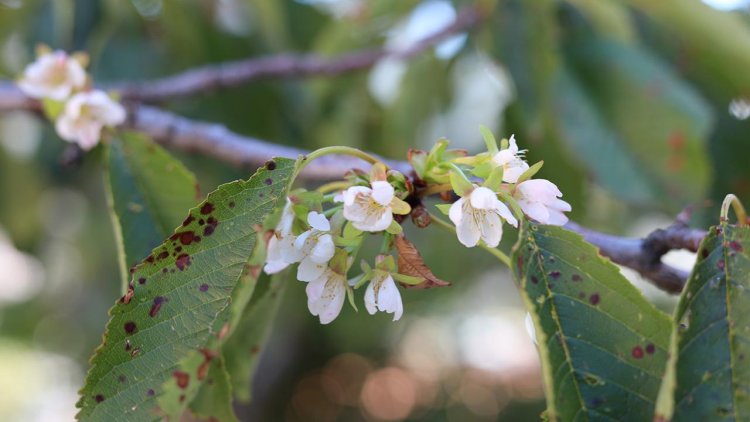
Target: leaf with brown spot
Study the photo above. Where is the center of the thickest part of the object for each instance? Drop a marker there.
(411, 263)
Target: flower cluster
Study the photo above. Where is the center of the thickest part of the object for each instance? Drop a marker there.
(80, 113)
(322, 231)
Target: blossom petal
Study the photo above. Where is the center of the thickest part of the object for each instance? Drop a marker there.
(350, 195)
(310, 270)
(491, 229)
(535, 210)
(389, 298)
(504, 212)
(323, 250)
(370, 302)
(318, 221)
(468, 232)
(456, 211)
(382, 193)
(325, 296)
(483, 198)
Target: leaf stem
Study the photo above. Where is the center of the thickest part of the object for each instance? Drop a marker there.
(434, 189)
(342, 150)
(500, 255)
(739, 210)
(333, 186)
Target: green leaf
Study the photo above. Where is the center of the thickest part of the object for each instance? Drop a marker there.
(660, 123)
(214, 400)
(603, 346)
(162, 331)
(242, 351)
(709, 374)
(148, 192)
(718, 43)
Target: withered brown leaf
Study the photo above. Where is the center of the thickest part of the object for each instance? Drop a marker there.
(411, 263)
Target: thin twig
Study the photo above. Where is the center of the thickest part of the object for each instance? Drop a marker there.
(231, 74)
(215, 140)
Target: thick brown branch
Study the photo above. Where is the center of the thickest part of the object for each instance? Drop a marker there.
(644, 255)
(232, 74)
(215, 140)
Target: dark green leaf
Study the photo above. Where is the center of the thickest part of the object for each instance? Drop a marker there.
(659, 123)
(603, 346)
(243, 350)
(709, 369)
(214, 399)
(149, 192)
(161, 333)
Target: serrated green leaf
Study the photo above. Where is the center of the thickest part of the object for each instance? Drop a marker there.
(148, 192)
(603, 346)
(709, 374)
(162, 331)
(242, 351)
(214, 400)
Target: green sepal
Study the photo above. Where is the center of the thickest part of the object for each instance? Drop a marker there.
(460, 184)
(418, 160)
(444, 208)
(339, 263)
(504, 144)
(394, 228)
(495, 179)
(398, 206)
(386, 263)
(350, 297)
(483, 170)
(407, 279)
(489, 139)
(52, 109)
(311, 198)
(301, 211)
(530, 172)
(351, 232)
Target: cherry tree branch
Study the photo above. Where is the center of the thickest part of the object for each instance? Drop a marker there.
(230, 74)
(216, 141)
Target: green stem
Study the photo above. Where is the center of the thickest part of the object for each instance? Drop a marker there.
(342, 150)
(338, 185)
(331, 211)
(500, 255)
(739, 210)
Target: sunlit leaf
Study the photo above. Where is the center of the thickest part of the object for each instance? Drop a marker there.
(149, 192)
(180, 294)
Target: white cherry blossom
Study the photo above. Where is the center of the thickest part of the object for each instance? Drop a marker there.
(371, 209)
(315, 247)
(281, 251)
(53, 75)
(382, 295)
(539, 199)
(512, 162)
(480, 215)
(326, 295)
(85, 115)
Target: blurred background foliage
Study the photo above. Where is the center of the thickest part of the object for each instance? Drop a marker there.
(638, 107)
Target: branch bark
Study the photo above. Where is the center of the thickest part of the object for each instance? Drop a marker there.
(217, 141)
(235, 73)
